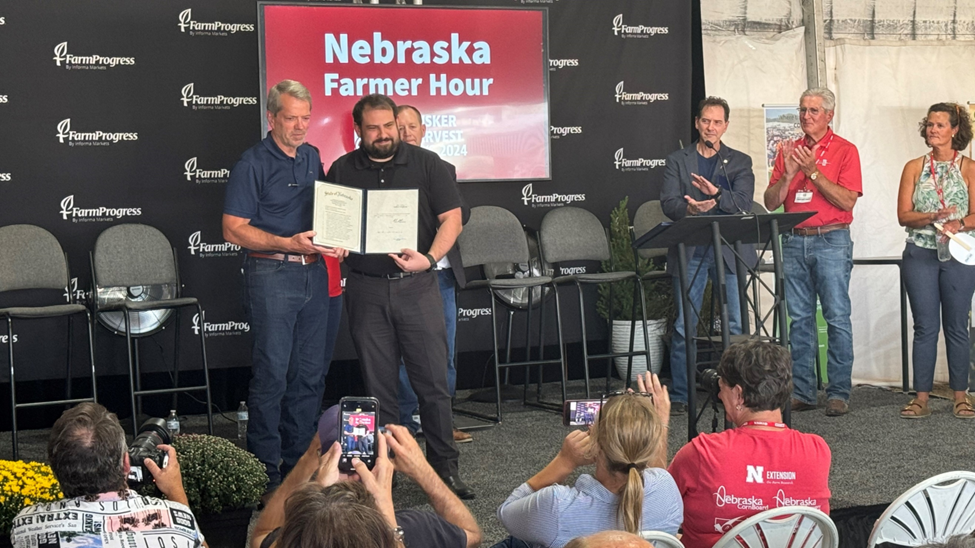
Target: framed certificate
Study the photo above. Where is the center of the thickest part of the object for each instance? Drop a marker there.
(365, 221)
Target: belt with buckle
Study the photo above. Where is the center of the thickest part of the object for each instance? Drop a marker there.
(287, 257)
(817, 230)
(394, 276)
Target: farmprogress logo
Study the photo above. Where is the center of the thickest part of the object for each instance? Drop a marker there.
(204, 250)
(88, 62)
(636, 164)
(635, 31)
(188, 25)
(202, 176)
(91, 138)
(528, 197)
(95, 214)
(212, 102)
(222, 329)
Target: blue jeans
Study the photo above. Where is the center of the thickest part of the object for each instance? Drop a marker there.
(332, 329)
(819, 265)
(940, 293)
(703, 258)
(287, 306)
(408, 403)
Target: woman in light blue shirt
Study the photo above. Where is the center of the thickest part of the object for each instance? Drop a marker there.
(629, 491)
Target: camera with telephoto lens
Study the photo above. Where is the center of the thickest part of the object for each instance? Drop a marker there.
(708, 380)
(152, 433)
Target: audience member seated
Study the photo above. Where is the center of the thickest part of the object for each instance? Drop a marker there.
(630, 490)
(319, 507)
(761, 463)
(610, 539)
(89, 457)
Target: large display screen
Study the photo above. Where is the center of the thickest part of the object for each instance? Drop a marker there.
(479, 77)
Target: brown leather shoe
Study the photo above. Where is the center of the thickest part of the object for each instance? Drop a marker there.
(462, 437)
(799, 405)
(836, 408)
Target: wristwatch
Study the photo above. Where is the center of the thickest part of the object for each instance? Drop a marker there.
(433, 264)
(814, 175)
(716, 195)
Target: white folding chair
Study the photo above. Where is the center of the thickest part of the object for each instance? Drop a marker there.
(661, 539)
(931, 511)
(785, 527)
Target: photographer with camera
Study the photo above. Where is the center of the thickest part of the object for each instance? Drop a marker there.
(630, 490)
(759, 464)
(317, 506)
(88, 455)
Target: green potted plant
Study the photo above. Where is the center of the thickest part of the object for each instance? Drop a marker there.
(658, 294)
(223, 483)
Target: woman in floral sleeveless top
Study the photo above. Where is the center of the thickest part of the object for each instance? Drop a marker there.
(936, 189)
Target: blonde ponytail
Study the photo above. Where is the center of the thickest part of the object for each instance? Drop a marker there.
(629, 438)
(629, 512)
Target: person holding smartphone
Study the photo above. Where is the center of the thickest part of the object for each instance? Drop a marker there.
(630, 489)
(320, 503)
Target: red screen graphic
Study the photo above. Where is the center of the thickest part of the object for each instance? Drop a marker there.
(479, 77)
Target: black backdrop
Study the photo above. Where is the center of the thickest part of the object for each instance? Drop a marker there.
(95, 132)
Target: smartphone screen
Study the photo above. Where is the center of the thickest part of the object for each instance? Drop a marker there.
(580, 412)
(358, 431)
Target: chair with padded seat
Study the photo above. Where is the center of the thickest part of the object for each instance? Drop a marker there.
(575, 234)
(931, 511)
(647, 216)
(32, 259)
(784, 527)
(494, 235)
(137, 255)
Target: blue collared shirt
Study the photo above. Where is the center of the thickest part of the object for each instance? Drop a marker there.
(274, 190)
(553, 516)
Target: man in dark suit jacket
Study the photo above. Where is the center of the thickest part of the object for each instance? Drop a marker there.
(705, 180)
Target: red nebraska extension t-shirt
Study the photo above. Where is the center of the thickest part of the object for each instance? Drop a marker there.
(737, 473)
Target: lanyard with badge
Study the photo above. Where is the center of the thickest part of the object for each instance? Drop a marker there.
(939, 187)
(804, 195)
(777, 425)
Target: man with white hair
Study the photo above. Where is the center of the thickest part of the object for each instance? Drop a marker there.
(819, 172)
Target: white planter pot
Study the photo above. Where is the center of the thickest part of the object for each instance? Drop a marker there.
(620, 342)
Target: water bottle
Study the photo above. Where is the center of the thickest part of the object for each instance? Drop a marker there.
(944, 254)
(242, 425)
(172, 423)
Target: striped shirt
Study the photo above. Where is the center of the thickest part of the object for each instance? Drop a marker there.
(553, 516)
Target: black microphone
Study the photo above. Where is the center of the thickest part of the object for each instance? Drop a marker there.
(734, 199)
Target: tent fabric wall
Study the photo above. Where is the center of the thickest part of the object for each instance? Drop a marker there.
(883, 90)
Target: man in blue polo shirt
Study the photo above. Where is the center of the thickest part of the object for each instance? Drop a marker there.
(268, 211)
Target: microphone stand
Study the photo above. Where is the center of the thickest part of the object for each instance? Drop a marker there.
(722, 162)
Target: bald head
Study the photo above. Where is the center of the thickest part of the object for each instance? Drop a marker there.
(610, 539)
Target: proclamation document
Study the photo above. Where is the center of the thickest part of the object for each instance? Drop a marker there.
(338, 218)
(365, 221)
(392, 218)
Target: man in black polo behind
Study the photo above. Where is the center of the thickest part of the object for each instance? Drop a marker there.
(267, 211)
(394, 305)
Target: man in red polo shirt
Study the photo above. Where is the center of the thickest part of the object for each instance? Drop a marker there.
(820, 172)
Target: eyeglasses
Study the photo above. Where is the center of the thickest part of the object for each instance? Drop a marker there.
(812, 111)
